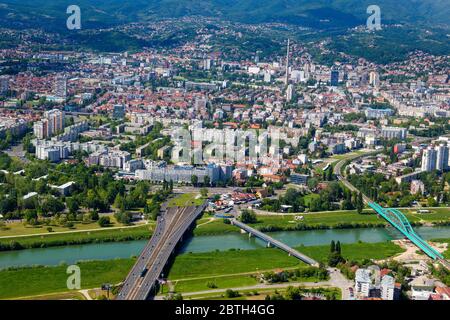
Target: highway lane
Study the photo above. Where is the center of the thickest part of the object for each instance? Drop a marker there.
(140, 278)
(162, 253)
(170, 228)
(140, 264)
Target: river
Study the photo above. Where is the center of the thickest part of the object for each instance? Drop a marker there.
(112, 250)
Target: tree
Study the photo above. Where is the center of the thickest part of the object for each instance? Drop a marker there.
(94, 215)
(338, 247)
(204, 192)
(123, 217)
(72, 205)
(207, 181)
(332, 246)
(431, 202)
(335, 257)
(31, 217)
(194, 180)
(104, 221)
(248, 216)
(360, 203)
(52, 205)
(119, 202)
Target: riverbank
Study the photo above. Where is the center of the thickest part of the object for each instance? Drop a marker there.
(343, 219)
(76, 238)
(28, 281)
(209, 225)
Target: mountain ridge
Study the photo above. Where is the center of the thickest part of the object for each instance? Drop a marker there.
(317, 14)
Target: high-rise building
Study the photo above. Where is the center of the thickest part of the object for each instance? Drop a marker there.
(429, 158)
(374, 79)
(334, 78)
(289, 93)
(52, 123)
(388, 288)
(442, 157)
(207, 63)
(55, 121)
(40, 129)
(61, 87)
(4, 84)
(119, 111)
(267, 76)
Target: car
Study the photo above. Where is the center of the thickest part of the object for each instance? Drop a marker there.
(144, 272)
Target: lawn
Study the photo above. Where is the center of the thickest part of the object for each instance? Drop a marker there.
(355, 251)
(186, 200)
(58, 296)
(31, 281)
(18, 228)
(234, 281)
(220, 282)
(105, 235)
(214, 227)
(192, 265)
(327, 218)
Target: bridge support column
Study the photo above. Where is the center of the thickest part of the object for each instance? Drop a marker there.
(249, 235)
(269, 245)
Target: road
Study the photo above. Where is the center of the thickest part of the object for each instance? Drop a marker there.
(337, 170)
(171, 226)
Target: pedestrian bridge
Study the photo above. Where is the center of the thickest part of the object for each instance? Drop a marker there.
(273, 242)
(401, 223)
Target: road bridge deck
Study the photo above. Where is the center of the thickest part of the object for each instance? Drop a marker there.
(171, 226)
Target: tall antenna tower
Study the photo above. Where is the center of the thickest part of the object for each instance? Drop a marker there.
(287, 63)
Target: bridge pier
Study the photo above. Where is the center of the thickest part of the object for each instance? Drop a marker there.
(269, 244)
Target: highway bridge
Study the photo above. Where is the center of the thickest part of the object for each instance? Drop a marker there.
(170, 228)
(273, 242)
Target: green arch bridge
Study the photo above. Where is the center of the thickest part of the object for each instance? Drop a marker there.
(401, 223)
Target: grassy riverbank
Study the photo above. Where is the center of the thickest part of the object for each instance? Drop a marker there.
(345, 219)
(191, 265)
(23, 282)
(73, 238)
